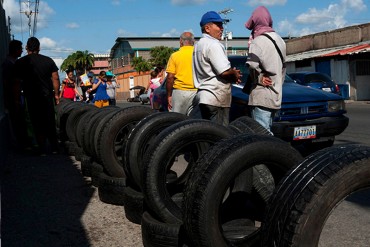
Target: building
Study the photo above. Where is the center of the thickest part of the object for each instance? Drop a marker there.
(101, 62)
(125, 49)
(343, 54)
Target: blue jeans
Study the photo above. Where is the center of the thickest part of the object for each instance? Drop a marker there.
(263, 116)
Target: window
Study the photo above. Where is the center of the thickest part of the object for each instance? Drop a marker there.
(303, 63)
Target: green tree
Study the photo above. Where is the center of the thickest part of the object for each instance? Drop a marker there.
(79, 61)
(160, 55)
(140, 64)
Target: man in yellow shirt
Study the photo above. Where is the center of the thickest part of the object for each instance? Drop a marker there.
(180, 86)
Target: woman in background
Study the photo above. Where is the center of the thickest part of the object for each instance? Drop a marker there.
(111, 88)
(101, 98)
(69, 87)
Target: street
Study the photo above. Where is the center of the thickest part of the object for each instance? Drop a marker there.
(349, 223)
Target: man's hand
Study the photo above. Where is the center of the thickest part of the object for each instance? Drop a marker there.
(266, 81)
(169, 100)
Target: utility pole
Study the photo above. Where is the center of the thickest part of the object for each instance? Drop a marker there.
(29, 13)
(227, 35)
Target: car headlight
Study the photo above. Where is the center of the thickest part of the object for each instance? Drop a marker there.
(334, 106)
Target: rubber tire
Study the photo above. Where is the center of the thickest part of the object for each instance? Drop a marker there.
(140, 138)
(82, 126)
(133, 202)
(204, 195)
(305, 198)
(114, 135)
(78, 152)
(196, 134)
(88, 141)
(159, 234)
(96, 169)
(63, 117)
(111, 189)
(86, 165)
(74, 117)
(246, 124)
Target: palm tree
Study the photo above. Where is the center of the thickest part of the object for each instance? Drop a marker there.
(79, 61)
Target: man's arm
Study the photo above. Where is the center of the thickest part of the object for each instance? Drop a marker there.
(56, 85)
(232, 75)
(169, 88)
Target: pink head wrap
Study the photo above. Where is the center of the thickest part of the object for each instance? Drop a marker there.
(260, 22)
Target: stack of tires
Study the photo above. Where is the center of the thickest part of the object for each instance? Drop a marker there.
(191, 182)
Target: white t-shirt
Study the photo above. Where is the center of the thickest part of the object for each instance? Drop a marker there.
(209, 61)
(111, 90)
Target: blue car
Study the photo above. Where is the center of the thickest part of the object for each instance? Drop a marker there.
(315, 80)
(309, 118)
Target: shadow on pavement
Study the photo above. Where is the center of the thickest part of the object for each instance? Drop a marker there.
(43, 200)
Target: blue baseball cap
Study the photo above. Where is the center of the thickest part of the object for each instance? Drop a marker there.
(210, 16)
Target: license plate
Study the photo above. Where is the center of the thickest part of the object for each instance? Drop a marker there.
(304, 132)
(326, 89)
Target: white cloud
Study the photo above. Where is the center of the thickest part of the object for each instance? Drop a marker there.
(357, 5)
(19, 20)
(318, 20)
(266, 2)
(172, 33)
(72, 25)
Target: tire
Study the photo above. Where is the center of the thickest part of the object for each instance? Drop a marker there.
(88, 140)
(305, 198)
(217, 214)
(158, 234)
(78, 153)
(96, 169)
(113, 138)
(246, 124)
(74, 117)
(140, 138)
(70, 148)
(190, 137)
(133, 203)
(82, 126)
(63, 117)
(86, 165)
(111, 189)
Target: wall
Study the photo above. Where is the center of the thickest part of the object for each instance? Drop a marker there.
(338, 37)
(123, 92)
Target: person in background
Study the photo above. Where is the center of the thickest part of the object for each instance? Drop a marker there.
(212, 73)
(13, 99)
(101, 98)
(90, 93)
(40, 82)
(155, 82)
(266, 67)
(69, 87)
(111, 88)
(85, 88)
(180, 86)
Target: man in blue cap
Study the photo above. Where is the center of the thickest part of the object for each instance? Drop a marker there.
(212, 72)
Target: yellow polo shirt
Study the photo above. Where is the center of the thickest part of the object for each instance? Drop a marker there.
(180, 64)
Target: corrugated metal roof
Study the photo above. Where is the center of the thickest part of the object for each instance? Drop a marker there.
(349, 51)
(329, 52)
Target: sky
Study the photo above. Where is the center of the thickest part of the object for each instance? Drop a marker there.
(66, 26)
